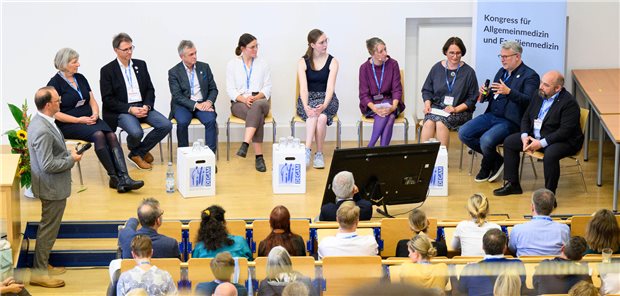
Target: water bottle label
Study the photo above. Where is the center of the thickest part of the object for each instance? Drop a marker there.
(437, 179)
(290, 174)
(170, 185)
(200, 177)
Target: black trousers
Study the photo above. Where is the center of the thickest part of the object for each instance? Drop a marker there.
(553, 153)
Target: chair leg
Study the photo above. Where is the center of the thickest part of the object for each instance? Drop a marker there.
(228, 140)
(418, 131)
(521, 165)
(170, 147)
(339, 127)
(360, 134)
(293, 127)
(161, 152)
(533, 168)
(461, 159)
(80, 171)
(471, 167)
(406, 131)
(585, 187)
(274, 126)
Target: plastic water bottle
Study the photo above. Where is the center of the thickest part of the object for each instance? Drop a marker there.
(170, 179)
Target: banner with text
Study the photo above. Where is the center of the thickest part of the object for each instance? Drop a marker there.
(540, 27)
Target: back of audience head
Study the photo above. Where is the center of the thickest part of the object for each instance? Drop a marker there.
(213, 232)
(141, 246)
(223, 266)
(225, 289)
(343, 185)
(542, 201)
(421, 248)
(508, 283)
(348, 215)
(574, 248)
(149, 212)
(583, 288)
(137, 292)
(280, 222)
(278, 262)
(603, 231)
(418, 221)
(478, 208)
(494, 242)
(295, 288)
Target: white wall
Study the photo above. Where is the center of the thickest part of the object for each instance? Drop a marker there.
(33, 32)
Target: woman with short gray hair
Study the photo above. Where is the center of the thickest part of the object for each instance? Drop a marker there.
(79, 119)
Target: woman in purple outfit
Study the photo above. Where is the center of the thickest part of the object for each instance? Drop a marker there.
(380, 91)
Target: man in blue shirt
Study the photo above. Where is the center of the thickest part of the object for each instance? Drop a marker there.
(479, 278)
(550, 125)
(541, 236)
(508, 96)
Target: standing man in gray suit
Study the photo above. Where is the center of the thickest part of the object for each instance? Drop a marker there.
(193, 93)
(51, 165)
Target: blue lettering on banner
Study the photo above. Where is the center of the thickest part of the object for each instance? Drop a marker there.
(438, 177)
(290, 174)
(200, 176)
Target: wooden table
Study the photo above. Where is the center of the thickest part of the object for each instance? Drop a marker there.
(10, 219)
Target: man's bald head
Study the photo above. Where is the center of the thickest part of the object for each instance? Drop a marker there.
(225, 289)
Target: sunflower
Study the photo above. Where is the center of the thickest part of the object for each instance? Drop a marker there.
(22, 135)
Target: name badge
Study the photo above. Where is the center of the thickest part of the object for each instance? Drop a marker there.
(448, 100)
(133, 97)
(378, 97)
(80, 103)
(495, 96)
(538, 124)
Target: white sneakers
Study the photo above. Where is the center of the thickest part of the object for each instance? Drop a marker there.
(318, 162)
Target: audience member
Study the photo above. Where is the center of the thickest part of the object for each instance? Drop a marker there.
(541, 236)
(145, 275)
(280, 273)
(213, 237)
(343, 186)
(419, 224)
(225, 289)
(420, 272)
(442, 90)
(193, 92)
(281, 235)
(558, 275)
(380, 99)
(347, 242)
(583, 288)
(128, 99)
(479, 278)
(468, 234)
(295, 289)
(248, 84)
(317, 103)
(603, 232)
(79, 119)
(222, 267)
(508, 283)
(508, 97)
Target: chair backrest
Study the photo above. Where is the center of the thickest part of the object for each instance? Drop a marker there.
(344, 273)
(261, 229)
(235, 227)
(301, 264)
(199, 271)
(395, 229)
(172, 229)
(171, 265)
(583, 120)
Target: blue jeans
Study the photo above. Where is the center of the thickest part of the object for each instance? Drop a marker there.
(131, 124)
(483, 134)
(184, 117)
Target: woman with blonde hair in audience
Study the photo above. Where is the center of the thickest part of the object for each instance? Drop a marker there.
(603, 232)
(468, 234)
(213, 237)
(280, 273)
(418, 223)
(583, 288)
(281, 235)
(420, 271)
(508, 283)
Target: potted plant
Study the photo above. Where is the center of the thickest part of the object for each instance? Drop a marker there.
(18, 139)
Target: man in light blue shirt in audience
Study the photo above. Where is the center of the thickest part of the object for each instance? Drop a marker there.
(541, 236)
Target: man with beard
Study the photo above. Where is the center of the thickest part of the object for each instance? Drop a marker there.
(550, 125)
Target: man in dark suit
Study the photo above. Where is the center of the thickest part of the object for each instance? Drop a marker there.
(193, 93)
(345, 189)
(550, 125)
(51, 164)
(513, 86)
(129, 99)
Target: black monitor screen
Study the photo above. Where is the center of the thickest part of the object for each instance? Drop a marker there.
(398, 174)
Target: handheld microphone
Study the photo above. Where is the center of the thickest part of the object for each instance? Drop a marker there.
(84, 148)
(485, 92)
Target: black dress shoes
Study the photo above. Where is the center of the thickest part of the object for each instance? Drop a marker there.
(243, 150)
(508, 189)
(260, 164)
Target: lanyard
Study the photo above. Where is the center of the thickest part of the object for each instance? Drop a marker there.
(506, 77)
(544, 108)
(128, 74)
(374, 73)
(247, 75)
(451, 84)
(191, 81)
(77, 86)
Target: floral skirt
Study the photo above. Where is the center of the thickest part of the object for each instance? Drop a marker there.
(315, 99)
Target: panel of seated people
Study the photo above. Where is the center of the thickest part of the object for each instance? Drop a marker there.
(199, 271)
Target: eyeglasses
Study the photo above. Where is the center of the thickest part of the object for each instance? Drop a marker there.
(323, 42)
(127, 49)
(161, 214)
(453, 53)
(503, 57)
(254, 47)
